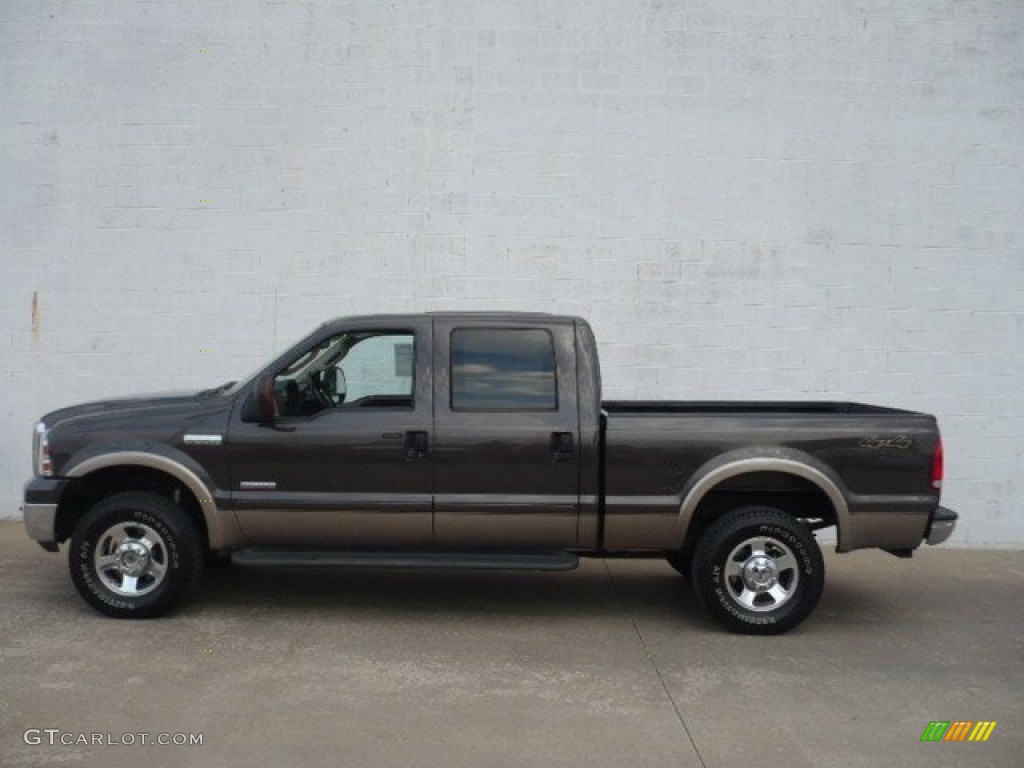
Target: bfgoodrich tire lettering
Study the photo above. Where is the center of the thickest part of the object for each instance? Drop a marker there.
(758, 571)
(135, 555)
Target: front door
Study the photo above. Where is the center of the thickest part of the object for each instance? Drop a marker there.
(346, 462)
(506, 434)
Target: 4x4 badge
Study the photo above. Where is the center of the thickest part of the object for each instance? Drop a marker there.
(897, 442)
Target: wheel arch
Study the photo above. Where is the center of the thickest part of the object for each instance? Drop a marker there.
(98, 476)
(788, 479)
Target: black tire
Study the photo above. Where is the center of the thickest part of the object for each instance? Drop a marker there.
(135, 555)
(758, 571)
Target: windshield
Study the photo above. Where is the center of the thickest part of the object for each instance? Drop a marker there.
(232, 388)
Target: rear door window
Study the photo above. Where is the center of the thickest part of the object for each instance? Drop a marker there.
(503, 369)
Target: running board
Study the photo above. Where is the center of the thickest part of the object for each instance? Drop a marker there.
(480, 561)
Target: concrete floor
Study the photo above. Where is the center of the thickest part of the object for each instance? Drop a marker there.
(611, 665)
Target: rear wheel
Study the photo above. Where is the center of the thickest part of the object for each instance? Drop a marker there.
(758, 571)
(135, 555)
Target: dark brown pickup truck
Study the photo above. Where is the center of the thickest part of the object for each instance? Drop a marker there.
(477, 441)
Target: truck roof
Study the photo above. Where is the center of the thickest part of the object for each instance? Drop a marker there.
(490, 315)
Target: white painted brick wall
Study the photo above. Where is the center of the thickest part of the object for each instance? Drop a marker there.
(748, 198)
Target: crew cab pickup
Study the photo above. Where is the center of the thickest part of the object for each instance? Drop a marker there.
(475, 440)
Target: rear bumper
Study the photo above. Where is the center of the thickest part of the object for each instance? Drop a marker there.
(941, 526)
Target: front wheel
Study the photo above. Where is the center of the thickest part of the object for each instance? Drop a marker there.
(758, 571)
(135, 555)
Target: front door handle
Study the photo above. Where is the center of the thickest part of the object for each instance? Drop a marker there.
(563, 446)
(417, 445)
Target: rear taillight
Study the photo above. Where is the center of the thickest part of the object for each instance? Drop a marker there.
(938, 466)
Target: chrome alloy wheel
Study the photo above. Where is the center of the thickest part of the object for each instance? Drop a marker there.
(761, 574)
(131, 559)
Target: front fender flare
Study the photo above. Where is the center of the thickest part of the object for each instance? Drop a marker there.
(221, 526)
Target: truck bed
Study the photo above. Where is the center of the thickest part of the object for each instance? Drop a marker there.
(880, 459)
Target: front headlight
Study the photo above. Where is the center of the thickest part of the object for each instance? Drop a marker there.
(41, 452)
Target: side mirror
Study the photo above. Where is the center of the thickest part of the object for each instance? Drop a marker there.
(340, 385)
(261, 406)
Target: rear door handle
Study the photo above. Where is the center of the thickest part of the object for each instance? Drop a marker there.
(563, 446)
(417, 445)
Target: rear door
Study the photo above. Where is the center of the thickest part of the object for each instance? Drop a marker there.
(506, 434)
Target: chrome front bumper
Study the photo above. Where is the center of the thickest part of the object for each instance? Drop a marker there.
(40, 524)
(942, 525)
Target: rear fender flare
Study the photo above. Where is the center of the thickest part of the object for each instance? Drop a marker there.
(786, 461)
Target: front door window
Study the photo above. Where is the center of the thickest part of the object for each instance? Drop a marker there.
(349, 370)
